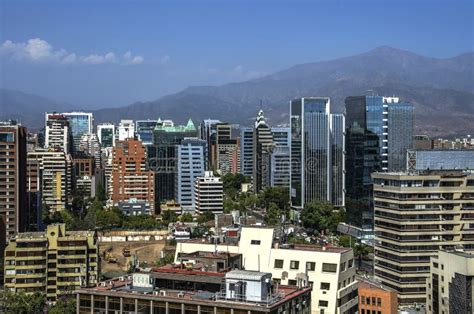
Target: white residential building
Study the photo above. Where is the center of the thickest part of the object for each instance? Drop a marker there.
(330, 270)
(126, 129)
(209, 193)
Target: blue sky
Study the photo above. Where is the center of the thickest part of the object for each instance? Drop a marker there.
(102, 53)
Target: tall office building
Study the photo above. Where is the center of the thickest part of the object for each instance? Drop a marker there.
(125, 130)
(280, 157)
(417, 214)
(246, 151)
(131, 181)
(263, 145)
(34, 179)
(162, 157)
(207, 132)
(58, 133)
(79, 123)
(189, 166)
(209, 194)
(106, 134)
(55, 262)
(56, 177)
(317, 152)
(387, 133)
(90, 146)
(13, 196)
(144, 130)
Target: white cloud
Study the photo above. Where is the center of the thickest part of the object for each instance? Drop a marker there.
(38, 50)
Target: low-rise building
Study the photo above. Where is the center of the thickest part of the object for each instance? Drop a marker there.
(55, 261)
(176, 290)
(376, 298)
(330, 270)
(451, 283)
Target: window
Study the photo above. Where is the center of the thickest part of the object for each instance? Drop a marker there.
(379, 302)
(435, 265)
(310, 266)
(343, 266)
(367, 299)
(294, 264)
(291, 282)
(323, 303)
(350, 263)
(278, 263)
(277, 281)
(325, 285)
(373, 300)
(255, 242)
(362, 299)
(329, 268)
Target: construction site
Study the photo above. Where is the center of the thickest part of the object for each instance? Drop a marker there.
(118, 258)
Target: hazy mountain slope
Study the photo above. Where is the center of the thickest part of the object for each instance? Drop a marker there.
(441, 89)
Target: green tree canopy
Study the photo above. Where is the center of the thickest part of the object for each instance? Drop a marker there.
(321, 216)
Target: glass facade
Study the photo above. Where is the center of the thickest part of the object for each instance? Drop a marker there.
(144, 129)
(317, 152)
(80, 123)
(400, 135)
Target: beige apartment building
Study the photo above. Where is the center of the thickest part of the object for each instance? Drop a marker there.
(417, 214)
(330, 270)
(55, 261)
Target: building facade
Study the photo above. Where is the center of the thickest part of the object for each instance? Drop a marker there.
(317, 157)
(162, 157)
(144, 130)
(461, 159)
(190, 166)
(330, 271)
(55, 262)
(262, 148)
(451, 283)
(376, 298)
(80, 124)
(417, 214)
(125, 130)
(58, 133)
(130, 178)
(209, 194)
(106, 134)
(13, 195)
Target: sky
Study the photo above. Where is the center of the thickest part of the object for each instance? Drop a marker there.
(104, 53)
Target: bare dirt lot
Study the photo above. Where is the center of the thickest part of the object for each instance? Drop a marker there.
(147, 253)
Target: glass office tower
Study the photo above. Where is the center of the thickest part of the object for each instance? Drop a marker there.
(144, 130)
(80, 124)
(106, 134)
(316, 135)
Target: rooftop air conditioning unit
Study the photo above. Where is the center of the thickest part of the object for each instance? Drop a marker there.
(163, 293)
(156, 292)
(181, 294)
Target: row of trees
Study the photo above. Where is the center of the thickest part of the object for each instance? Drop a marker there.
(22, 303)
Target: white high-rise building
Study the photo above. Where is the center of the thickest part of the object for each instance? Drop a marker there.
(209, 193)
(189, 166)
(79, 123)
(57, 133)
(126, 129)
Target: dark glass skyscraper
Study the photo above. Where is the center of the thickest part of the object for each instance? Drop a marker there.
(317, 152)
(162, 157)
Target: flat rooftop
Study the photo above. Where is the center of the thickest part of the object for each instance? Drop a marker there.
(123, 287)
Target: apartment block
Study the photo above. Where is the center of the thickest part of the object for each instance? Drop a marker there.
(130, 178)
(416, 215)
(13, 196)
(56, 177)
(375, 298)
(56, 261)
(330, 270)
(58, 133)
(209, 193)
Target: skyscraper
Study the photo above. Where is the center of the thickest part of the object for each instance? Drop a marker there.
(189, 166)
(246, 151)
(317, 152)
(13, 196)
(162, 157)
(262, 148)
(79, 123)
(106, 134)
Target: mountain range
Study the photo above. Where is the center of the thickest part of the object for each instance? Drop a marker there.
(442, 91)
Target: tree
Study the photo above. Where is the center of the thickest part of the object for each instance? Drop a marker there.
(346, 241)
(186, 217)
(273, 215)
(278, 195)
(232, 183)
(169, 217)
(320, 216)
(165, 260)
(64, 305)
(100, 194)
(22, 303)
(205, 217)
(361, 251)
